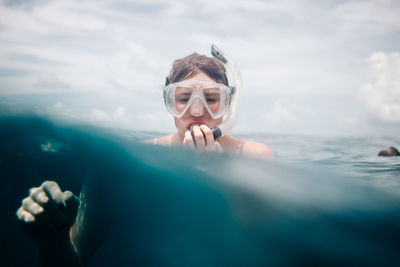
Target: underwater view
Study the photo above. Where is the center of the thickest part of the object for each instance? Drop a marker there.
(323, 204)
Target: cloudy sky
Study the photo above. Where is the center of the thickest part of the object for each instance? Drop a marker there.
(309, 67)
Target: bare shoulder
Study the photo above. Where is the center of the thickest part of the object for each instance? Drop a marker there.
(163, 141)
(257, 150)
(149, 141)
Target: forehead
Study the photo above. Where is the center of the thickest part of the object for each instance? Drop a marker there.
(198, 78)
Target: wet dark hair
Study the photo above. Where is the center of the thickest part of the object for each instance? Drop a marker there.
(189, 66)
(389, 152)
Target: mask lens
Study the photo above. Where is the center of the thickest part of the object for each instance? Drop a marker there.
(182, 97)
(213, 98)
(217, 100)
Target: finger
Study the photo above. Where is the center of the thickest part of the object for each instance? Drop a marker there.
(70, 198)
(54, 192)
(31, 206)
(30, 224)
(193, 137)
(53, 216)
(33, 190)
(188, 140)
(199, 137)
(208, 135)
(39, 196)
(49, 218)
(72, 204)
(218, 146)
(42, 219)
(25, 216)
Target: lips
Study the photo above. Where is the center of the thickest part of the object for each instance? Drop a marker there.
(194, 122)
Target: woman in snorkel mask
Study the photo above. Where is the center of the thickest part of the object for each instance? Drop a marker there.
(198, 95)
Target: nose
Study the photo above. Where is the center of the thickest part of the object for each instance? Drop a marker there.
(197, 107)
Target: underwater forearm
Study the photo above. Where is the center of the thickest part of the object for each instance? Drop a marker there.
(61, 252)
(47, 215)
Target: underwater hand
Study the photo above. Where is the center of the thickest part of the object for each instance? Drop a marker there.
(48, 213)
(201, 137)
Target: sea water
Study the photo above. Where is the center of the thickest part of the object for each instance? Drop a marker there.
(349, 155)
(323, 201)
(355, 157)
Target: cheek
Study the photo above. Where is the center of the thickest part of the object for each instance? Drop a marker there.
(216, 122)
(179, 123)
(180, 107)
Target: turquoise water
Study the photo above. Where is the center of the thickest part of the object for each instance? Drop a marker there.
(320, 203)
(355, 157)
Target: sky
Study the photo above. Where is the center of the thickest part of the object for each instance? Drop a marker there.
(308, 67)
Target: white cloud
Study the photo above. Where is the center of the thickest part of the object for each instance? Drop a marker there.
(57, 109)
(382, 94)
(119, 112)
(99, 116)
(384, 13)
(155, 121)
(289, 116)
(119, 52)
(115, 118)
(121, 117)
(284, 112)
(51, 82)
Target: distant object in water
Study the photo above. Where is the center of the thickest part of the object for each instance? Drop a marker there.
(389, 152)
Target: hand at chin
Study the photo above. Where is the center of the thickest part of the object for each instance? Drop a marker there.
(201, 137)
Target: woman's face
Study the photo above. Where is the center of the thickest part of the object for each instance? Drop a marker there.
(198, 117)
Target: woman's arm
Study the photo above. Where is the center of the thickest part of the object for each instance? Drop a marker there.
(47, 215)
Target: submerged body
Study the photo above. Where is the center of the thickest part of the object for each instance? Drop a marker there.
(151, 206)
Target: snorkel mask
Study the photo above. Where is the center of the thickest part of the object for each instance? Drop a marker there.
(234, 81)
(218, 99)
(195, 95)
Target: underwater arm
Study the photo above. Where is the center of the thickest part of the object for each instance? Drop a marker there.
(47, 215)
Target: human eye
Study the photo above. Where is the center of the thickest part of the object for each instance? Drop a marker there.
(182, 98)
(212, 98)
